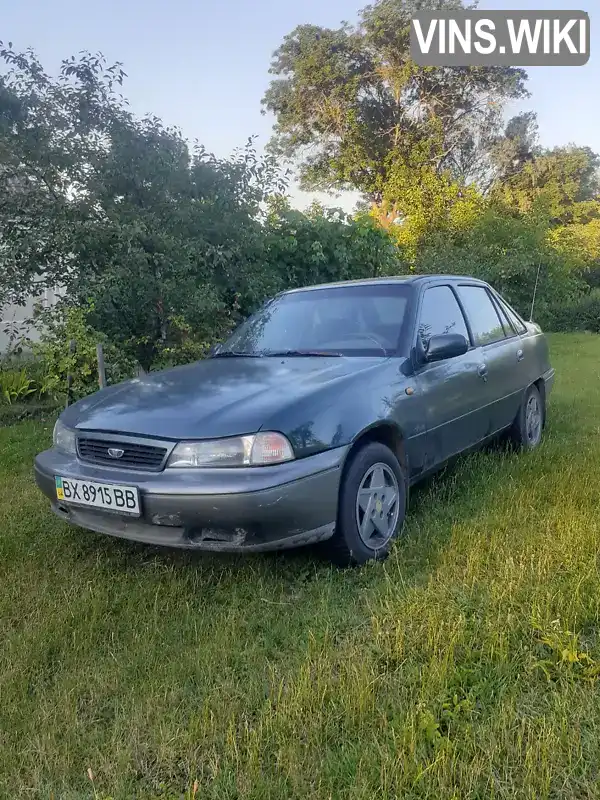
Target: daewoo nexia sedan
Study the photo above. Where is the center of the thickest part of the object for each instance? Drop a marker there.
(309, 424)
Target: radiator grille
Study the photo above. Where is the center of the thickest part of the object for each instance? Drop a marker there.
(134, 455)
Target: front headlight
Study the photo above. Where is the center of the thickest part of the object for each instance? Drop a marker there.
(63, 438)
(259, 449)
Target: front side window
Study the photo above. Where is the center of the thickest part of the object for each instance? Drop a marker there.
(440, 314)
(486, 325)
(362, 320)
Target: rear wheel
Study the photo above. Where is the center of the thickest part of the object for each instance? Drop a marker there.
(526, 432)
(372, 506)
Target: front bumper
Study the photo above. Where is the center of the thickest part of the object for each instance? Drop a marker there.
(225, 509)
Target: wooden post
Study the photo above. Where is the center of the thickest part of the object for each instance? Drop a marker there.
(72, 348)
(101, 370)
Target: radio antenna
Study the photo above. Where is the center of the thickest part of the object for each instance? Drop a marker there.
(537, 278)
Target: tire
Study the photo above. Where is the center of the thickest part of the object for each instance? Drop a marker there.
(526, 431)
(364, 473)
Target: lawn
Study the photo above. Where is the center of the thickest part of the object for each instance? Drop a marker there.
(466, 666)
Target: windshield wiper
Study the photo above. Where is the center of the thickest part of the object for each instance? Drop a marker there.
(319, 353)
(235, 354)
(276, 354)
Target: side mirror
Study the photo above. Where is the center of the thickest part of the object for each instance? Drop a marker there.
(447, 345)
(214, 349)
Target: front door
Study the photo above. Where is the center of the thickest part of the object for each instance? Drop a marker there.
(451, 392)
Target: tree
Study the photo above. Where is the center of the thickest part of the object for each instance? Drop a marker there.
(160, 248)
(50, 130)
(350, 104)
(509, 251)
(175, 246)
(118, 210)
(517, 147)
(563, 180)
(322, 245)
(580, 244)
(418, 203)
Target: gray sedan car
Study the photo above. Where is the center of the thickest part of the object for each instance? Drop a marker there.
(309, 424)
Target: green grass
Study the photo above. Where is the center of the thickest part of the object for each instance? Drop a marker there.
(10, 414)
(466, 666)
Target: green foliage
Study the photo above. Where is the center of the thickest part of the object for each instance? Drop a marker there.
(541, 219)
(507, 251)
(51, 131)
(163, 239)
(295, 249)
(15, 385)
(165, 248)
(350, 104)
(562, 181)
(455, 191)
(171, 263)
(324, 245)
(563, 656)
(579, 242)
(582, 314)
(31, 408)
(59, 327)
(24, 382)
(516, 148)
(161, 249)
(419, 203)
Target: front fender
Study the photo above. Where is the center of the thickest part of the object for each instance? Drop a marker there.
(338, 415)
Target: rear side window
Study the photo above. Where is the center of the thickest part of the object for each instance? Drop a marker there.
(513, 318)
(440, 313)
(485, 323)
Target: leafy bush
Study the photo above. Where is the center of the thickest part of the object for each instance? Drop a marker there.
(175, 246)
(581, 315)
(24, 380)
(183, 352)
(61, 325)
(15, 385)
(508, 251)
(322, 245)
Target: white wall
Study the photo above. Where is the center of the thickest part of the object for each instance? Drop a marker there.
(19, 314)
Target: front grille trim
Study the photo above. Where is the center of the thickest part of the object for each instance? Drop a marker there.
(143, 454)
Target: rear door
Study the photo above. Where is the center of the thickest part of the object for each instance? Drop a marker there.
(451, 392)
(502, 356)
(528, 369)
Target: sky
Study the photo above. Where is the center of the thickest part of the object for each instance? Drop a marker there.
(202, 65)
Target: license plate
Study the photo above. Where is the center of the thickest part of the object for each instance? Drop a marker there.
(109, 496)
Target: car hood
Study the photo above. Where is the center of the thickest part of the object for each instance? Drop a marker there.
(211, 398)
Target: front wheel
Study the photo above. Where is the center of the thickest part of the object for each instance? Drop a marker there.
(372, 506)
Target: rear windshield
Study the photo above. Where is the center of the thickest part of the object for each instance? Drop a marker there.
(350, 321)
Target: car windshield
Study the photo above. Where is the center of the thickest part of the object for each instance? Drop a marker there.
(363, 320)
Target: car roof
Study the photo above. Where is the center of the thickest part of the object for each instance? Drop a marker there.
(391, 279)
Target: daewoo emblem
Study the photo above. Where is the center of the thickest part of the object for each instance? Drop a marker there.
(115, 452)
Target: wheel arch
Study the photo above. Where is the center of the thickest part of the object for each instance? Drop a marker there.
(540, 385)
(385, 432)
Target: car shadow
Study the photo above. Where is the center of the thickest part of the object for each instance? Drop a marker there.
(458, 491)
(308, 562)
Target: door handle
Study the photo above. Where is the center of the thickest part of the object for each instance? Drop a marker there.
(520, 355)
(482, 371)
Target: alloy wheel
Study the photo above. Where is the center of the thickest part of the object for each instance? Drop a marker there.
(377, 506)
